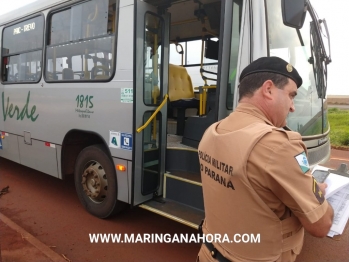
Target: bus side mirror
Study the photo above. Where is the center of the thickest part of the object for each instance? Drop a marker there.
(293, 13)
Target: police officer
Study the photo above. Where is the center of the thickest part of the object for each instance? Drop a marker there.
(255, 175)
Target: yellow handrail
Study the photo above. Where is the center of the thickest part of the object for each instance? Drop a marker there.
(204, 87)
(153, 115)
(203, 97)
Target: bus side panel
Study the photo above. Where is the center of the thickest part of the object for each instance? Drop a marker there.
(54, 109)
(2, 122)
(129, 174)
(59, 159)
(38, 156)
(125, 42)
(123, 180)
(10, 147)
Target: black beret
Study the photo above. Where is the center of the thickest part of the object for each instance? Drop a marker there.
(272, 64)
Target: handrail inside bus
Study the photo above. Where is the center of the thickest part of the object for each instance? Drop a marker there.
(203, 97)
(153, 115)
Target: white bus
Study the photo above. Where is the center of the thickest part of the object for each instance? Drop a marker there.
(118, 93)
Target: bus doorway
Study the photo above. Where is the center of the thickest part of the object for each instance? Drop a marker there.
(167, 179)
(150, 101)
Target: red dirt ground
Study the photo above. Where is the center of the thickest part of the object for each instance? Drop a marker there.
(49, 209)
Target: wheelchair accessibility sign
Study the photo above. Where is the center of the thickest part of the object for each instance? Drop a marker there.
(126, 141)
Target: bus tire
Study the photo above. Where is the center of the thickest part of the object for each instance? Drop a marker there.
(96, 182)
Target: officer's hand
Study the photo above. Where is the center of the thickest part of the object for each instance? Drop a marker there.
(322, 187)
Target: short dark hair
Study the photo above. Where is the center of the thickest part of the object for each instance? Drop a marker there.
(251, 83)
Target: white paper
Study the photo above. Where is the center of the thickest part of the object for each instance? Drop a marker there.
(332, 233)
(335, 183)
(340, 203)
(337, 194)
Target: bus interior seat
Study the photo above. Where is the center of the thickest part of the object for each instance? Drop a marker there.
(181, 94)
(67, 74)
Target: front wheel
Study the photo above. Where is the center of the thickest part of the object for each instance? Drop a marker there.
(96, 183)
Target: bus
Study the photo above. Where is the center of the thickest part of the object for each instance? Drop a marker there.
(118, 93)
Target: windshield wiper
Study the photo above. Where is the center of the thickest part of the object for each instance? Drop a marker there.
(319, 58)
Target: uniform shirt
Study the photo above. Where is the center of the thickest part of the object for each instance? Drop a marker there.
(277, 168)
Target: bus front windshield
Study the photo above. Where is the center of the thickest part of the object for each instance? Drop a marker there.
(309, 118)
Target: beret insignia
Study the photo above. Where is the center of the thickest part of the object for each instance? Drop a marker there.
(289, 68)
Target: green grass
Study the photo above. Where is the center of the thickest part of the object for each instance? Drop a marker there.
(339, 123)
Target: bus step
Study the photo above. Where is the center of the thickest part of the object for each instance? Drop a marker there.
(176, 211)
(185, 188)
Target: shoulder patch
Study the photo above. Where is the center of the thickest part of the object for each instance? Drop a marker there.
(317, 192)
(302, 162)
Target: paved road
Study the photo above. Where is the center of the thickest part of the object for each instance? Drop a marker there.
(49, 209)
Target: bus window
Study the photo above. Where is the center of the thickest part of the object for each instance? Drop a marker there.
(81, 42)
(175, 56)
(192, 61)
(22, 51)
(152, 60)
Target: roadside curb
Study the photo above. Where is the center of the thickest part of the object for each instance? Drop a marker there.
(343, 148)
(53, 256)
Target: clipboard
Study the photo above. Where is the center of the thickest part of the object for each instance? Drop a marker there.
(342, 170)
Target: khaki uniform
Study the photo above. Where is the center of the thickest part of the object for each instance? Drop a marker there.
(256, 180)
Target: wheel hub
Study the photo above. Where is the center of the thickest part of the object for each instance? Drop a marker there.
(94, 182)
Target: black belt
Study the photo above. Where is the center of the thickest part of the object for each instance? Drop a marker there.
(215, 253)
